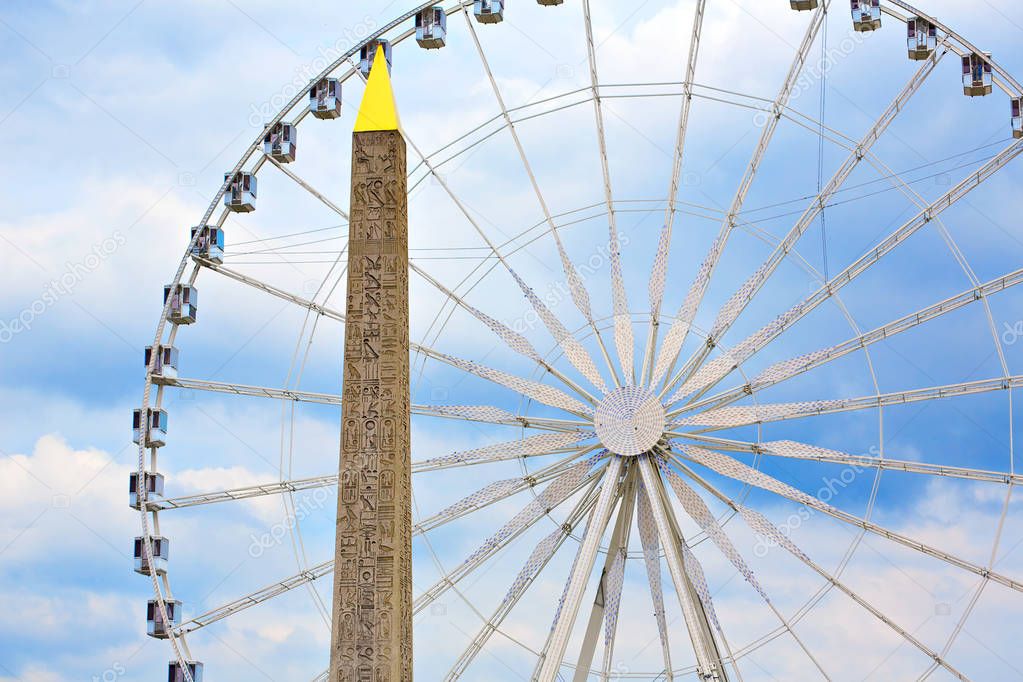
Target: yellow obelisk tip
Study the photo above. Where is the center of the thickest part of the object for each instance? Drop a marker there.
(378, 110)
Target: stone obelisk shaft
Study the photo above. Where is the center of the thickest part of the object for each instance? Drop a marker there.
(372, 619)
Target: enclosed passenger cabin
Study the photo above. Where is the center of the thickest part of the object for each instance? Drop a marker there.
(279, 142)
(240, 195)
(368, 54)
(166, 364)
(325, 99)
(866, 15)
(550, 3)
(161, 552)
(154, 486)
(152, 431)
(921, 38)
(432, 28)
(803, 4)
(210, 244)
(184, 301)
(489, 11)
(1017, 118)
(977, 78)
(176, 674)
(155, 624)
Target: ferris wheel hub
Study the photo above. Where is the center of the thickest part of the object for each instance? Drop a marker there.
(630, 420)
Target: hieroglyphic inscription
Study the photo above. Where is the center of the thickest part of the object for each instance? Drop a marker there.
(372, 621)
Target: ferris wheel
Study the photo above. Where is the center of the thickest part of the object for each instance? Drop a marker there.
(637, 414)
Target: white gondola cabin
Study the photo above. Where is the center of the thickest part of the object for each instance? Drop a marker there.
(1017, 118)
(155, 624)
(489, 11)
(210, 244)
(368, 54)
(325, 99)
(240, 195)
(151, 431)
(166, 364)
(184, 302)
(154, 486)
(977, 77)
(432, 28)
(161, 555)
(921, 38)
(176, 674)
(866, 14)
(279, 142)
(803, 4)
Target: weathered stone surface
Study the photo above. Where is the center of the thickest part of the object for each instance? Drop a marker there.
(372, 620)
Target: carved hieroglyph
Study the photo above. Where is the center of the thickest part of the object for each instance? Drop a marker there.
(372, 620)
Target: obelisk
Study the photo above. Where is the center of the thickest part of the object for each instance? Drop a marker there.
(372, 611)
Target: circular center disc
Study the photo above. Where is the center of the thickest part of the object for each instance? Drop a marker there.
(629, 421)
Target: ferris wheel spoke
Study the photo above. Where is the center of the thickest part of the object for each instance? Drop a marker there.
(652, 562)
(733, 468)
(541, 445)
(734, 306)
(542, 393)
(803, 451)
(764, 528)
(758, 340)
(534, 565)
(556, 492)
(679, 330)
(606, 604)
(554, 652)
(580, 296)
(573, 350)
(787, 369)
(709, 660)
(623, 336)
(502, 490)
(309, 188)
(659, 270)
(241, 493)
(271, 289)
(515, 341)
(728, 417)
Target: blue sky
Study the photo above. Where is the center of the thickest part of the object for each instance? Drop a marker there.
(120, 119)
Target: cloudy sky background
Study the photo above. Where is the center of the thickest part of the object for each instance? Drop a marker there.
(120, 120)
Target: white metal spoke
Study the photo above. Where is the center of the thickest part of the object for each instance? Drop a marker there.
(515, 341)
(542, 393)
(787, 369)
(532, 446)
(554, 494)
(551, 664)
(478, 413)
(679, 330)
(241, 493)
(624, 344)
(738, 302)
(794, 450)
(309, 188)
(580, 296)
(537, 561)
(708, 660)
(728, 417)
(272, 290)
(732, 468)
(765, 335)
(652, 561)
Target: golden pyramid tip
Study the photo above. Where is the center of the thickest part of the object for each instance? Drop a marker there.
(378, 110)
